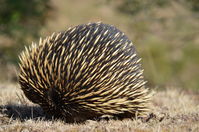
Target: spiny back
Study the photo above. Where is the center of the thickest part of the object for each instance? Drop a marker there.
(85, 72)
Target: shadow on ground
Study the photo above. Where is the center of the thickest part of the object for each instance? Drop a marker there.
(12, 112)
(22, 112)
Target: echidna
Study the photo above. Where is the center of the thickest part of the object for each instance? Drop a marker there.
(85, 72)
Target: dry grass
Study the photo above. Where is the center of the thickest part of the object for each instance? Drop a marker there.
(173, 110)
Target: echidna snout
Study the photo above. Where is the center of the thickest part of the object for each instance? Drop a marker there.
(85, 72)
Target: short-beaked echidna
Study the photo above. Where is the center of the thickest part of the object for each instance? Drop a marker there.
(85, 72)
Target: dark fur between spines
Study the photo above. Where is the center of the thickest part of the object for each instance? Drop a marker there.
(85, 72)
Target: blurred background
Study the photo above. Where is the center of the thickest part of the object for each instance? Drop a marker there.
(165, 32)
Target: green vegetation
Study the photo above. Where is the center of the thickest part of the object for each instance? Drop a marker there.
(165, 32)
(20, 23)
(132, 7)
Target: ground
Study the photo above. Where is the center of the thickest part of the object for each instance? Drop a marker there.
(172, 110)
